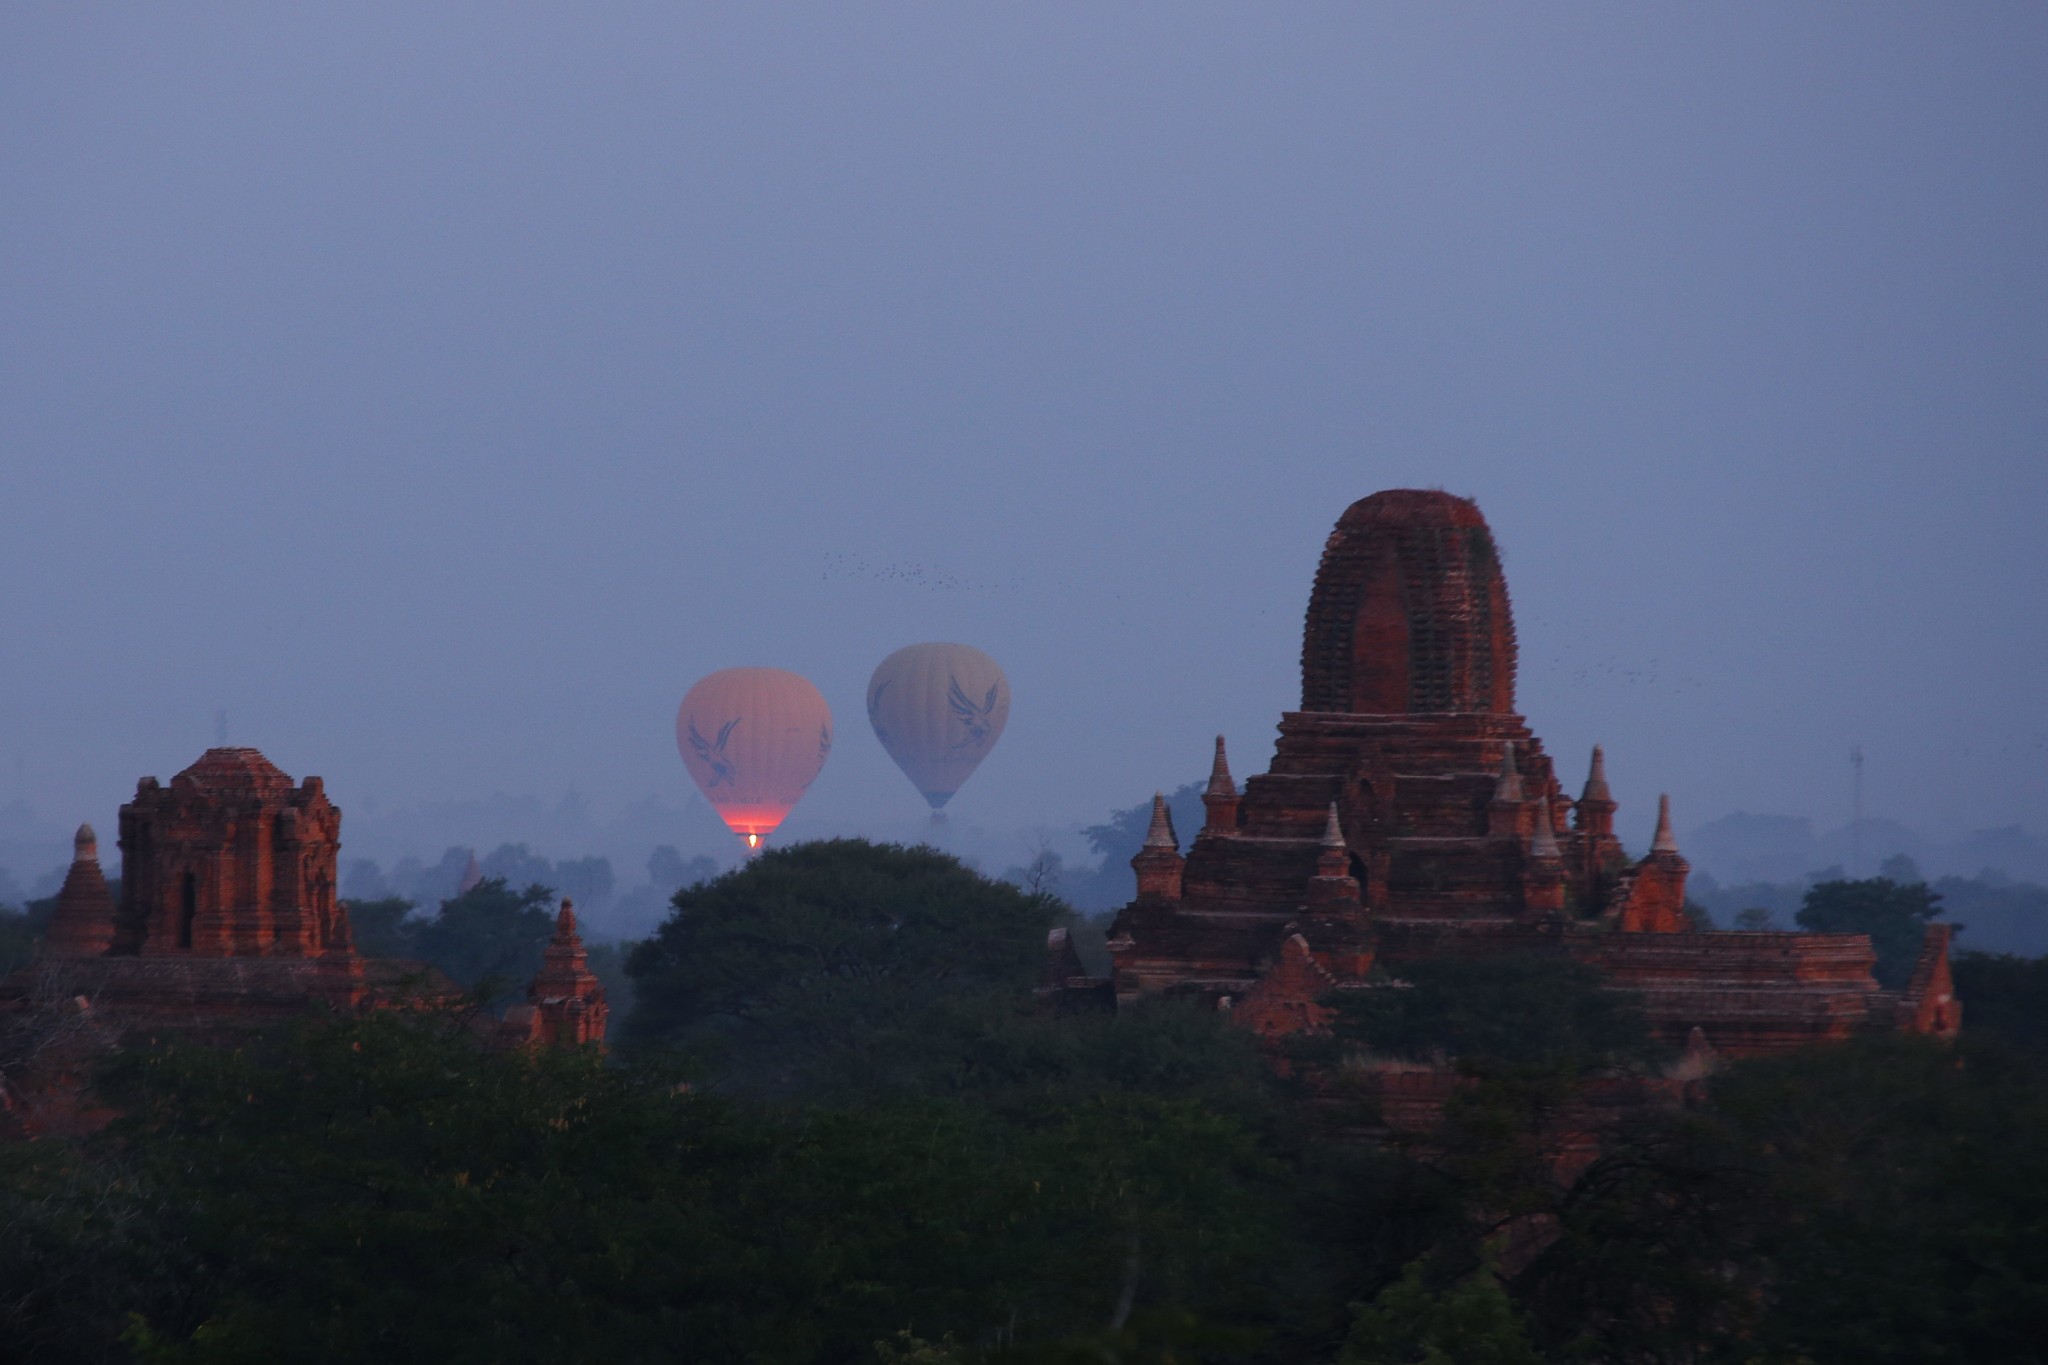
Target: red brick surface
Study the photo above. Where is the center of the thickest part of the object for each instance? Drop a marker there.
(1408, 729)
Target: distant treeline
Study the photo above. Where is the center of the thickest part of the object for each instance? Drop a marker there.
(590, 882)
(1993, 914)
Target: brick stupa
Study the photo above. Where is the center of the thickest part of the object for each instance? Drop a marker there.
(565, 1003)
(1411, 812)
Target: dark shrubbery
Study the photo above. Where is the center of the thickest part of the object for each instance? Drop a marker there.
(884, 1151)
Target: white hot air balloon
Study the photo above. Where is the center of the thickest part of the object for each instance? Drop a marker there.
(938, 709)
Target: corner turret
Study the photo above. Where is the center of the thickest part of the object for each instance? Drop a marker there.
(1656, 891)
(1595, 811)
(1543, 881)
(1220, 797)
(1507, 815)
(83, 925)
(1333, 884)
(1158, 863)
(1664, 841)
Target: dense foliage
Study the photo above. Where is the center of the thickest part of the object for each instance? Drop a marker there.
(1999, 914)
(2004, 997)
(910, 1161)
(487, 939)
(1895, 915)
(838, 965)
(1517, 1011)
(18, 935)
(387, 1191)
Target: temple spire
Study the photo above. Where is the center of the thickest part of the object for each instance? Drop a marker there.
(83, 924)
(1594, 813)
(1596, 779)
(1220, 783)
(1543, 843)
(1509, 786)
(1219, 798)
(1158, 863)
(1333, 883)
(1664, 841)
(567, 999)
(1543, 878)
(1160, 833)
(1507, 815)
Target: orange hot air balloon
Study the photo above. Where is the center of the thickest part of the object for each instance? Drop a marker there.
(754, 739)
(938, 709)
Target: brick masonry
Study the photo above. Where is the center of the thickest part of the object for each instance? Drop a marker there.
(1453, 827)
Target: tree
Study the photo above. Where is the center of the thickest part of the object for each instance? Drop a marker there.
(587, 881)
(490, 937)
(517, 865)
(17, 939)
(388, 1189)
(380, 927)
(2005, 997)
(1903, 1186)
(830, 963)
(1894, 914)
(21, 930)
(1467, 1321)
(1512, 1009)
(667, 869)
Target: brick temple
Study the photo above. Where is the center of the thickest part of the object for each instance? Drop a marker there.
(227, 920)
(1410, 812)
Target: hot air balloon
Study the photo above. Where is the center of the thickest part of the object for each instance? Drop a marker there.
(938, 709)
(754, 740)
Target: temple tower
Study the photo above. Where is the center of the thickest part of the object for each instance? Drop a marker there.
(1409, 612)
(567, 999)
(230, 860)
(1409, 814)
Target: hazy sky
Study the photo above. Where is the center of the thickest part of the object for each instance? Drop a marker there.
(441, 389)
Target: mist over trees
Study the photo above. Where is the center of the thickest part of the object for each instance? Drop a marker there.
(1992, 913)
(608, 910)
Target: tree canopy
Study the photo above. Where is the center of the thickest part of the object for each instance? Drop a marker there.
(902, 1157)
(1515, 1010)
(835, 963)
(1894, 914)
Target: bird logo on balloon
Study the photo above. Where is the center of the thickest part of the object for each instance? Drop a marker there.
(713, 754)
(975, 717)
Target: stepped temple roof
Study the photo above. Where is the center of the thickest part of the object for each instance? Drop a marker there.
(1410, 812)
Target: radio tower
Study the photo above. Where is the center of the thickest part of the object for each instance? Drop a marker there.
(1855, 810)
